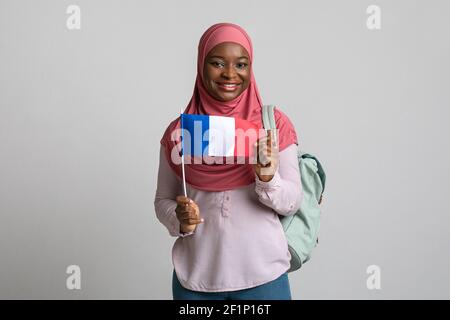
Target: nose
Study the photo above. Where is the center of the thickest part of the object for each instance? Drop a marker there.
(229, 72)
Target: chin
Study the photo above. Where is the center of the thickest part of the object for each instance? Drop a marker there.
(229, 98)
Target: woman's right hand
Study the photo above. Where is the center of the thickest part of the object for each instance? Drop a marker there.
(188, 213)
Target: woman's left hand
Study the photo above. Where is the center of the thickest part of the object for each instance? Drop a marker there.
(266, 150)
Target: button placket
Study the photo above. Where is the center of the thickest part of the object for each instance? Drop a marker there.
(226, 204)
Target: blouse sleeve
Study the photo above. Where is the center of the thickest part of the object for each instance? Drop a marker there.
(283, 193)
(167, 189)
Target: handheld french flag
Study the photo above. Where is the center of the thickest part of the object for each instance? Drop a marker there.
(218, 136)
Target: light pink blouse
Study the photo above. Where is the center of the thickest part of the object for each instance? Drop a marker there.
(241, 244)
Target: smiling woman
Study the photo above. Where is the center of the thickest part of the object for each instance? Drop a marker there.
(227, 71)
(230, 241)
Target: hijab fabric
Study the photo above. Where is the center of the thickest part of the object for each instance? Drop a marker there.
(248, 106)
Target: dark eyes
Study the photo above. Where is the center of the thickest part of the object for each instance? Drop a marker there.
(240, 65)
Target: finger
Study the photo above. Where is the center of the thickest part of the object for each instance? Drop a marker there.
(264, 160)
(193, 205)
(182, 200)
(273, 141)
(270, 149)
(264, 157)
(260, 149)
(275, 138)
(255, 147)
(262, 141)
(254, 158)
(270, 139)
(193, 215)
(192, 221)
(189, 210)
(188, 217)
(192, 209)
(184, 210)
(265, 151)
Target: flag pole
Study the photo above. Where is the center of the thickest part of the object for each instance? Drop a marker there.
(182, 153)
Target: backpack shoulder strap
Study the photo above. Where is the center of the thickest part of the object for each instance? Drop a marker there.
(268, 116)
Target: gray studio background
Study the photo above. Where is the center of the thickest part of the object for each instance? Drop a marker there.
(82, 113)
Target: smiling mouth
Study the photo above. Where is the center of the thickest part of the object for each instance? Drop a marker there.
(228, 86)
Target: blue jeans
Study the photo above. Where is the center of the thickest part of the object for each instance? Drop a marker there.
(277, 289)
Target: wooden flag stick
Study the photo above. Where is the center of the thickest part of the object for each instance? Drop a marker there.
(182, 154)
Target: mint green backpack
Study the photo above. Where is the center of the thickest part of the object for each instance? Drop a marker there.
(301, 229)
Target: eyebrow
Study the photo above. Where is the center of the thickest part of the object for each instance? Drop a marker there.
(243, 57)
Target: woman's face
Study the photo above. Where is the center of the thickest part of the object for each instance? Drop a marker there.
(227, 63)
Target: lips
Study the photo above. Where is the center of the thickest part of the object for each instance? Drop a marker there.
(228, 86)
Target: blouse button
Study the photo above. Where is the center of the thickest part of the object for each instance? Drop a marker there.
(225, 212)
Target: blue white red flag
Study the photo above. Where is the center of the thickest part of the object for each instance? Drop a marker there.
(218, 136)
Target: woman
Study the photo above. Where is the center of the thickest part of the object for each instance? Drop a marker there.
(230, 244)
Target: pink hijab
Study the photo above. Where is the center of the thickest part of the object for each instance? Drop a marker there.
(226, 176)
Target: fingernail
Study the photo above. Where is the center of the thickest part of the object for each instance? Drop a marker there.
(202, 219)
